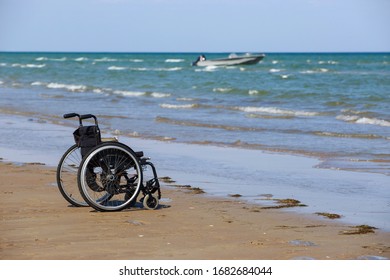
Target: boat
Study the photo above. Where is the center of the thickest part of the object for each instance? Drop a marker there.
(233, 59)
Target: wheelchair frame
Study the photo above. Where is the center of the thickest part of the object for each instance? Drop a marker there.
(109, 174)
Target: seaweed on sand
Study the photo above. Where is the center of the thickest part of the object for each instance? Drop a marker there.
(285, 203)
(362, 229)
(329, 215)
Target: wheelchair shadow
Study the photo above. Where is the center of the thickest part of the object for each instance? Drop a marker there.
(138, 206)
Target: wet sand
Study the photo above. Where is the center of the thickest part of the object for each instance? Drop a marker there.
(37, 223)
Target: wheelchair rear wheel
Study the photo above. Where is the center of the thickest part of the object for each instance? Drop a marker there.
(67, 176)
(111, 170)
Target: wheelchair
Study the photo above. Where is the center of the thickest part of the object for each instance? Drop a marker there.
(109, 174)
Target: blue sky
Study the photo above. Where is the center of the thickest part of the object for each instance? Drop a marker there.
(195, 25)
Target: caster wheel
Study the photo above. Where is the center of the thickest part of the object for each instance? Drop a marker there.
(150, 201)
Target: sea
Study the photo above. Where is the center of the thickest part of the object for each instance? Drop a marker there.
(332, 108)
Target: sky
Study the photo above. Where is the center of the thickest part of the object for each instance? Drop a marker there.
(195, 25)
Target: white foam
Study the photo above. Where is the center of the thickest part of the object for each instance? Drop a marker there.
(129, 93)
(41, 58)
(136, 60)
(207, 69)
(363, 120)
(273, 70)
(116, 68)
(28, 65)
(37, 83)
(173, 60)
(253, 91)
(139, 69)
(67, 87)
(185, 99)
(160, 95)
(274, 110)
(332, 62)
(222, 89)
(175, 106)
(81, 59)
(320, 70)
(59, 59)
(167, 69)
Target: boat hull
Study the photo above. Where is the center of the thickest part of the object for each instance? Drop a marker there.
(239, 60)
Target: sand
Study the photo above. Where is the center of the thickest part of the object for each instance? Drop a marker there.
(37, 223)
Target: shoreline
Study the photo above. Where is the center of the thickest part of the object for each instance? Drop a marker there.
(37, 223)
(256, 176)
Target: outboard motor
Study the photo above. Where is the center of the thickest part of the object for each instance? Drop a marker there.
(200, 58)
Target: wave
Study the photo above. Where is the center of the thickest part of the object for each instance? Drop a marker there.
(167, 69)
(160, 95)
(56, 96)
(116, 68)
(177, 106)
(332, 62)
(206, 125)
(315, 71)
(274, 110)
(136, 60)
(222, 89)
(83, 88)
(155, 69)
(347, 135)
(129, 93)
(69, 87)
(105, 59)
(260, 116)
(28, 65)
(174, 60)
(81, 59)
(363, 120)
(72, 88)
(51, 59)
(207, 69)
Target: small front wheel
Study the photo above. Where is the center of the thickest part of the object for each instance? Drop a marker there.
(150, 201)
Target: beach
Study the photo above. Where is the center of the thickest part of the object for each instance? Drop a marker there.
(37, 223)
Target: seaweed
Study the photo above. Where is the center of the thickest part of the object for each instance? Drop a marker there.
(167, 180)
(329, 215)
(285, 203)
(361, 229)
(194, 190)
(235, 195)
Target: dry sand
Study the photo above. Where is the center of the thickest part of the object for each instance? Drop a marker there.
(37, 223)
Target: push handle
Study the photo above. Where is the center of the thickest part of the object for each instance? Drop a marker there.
(88, 116)
(72, 115)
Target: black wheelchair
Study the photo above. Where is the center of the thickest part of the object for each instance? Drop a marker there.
(109, 174)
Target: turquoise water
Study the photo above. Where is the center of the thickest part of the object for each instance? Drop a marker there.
(335, 107)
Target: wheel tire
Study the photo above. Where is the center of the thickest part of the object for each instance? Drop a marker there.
(108, 166)
(67, 170)
(150, 201)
